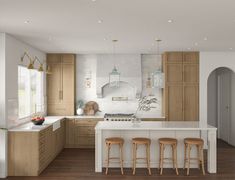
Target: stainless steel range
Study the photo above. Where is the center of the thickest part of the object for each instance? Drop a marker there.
(118, 117)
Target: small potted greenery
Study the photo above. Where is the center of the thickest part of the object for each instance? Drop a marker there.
(80, 105)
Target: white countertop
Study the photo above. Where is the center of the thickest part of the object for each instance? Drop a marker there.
(50, 120)
(152, 125)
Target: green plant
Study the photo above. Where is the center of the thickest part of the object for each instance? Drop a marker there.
(3, 129)
(80, 103)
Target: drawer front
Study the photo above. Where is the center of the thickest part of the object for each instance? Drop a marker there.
(86, 130)
(86, 122)
(85, 141)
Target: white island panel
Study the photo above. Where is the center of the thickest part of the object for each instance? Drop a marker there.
(154, 131)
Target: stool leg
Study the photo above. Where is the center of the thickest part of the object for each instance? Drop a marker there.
(134, 159)
(173, 156)
(148, 157)
(188, 159)
(121, 157)
(161, 156)
(107, 160)
(199, 156)
(202, 160)
(133, 151)
(175, 159)
(185, 155)
(159, 166)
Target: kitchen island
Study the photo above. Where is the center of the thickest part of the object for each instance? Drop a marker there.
(154, 131)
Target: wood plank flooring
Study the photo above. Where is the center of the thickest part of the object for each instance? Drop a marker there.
(73, 164)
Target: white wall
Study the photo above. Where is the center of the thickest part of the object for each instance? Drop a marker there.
(14, 51)
(88, 63)
(209, 61)
(11, 51)
(3, 134)
(232, 109)
(212, 99)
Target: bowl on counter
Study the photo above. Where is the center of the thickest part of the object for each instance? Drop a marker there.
(38, 120)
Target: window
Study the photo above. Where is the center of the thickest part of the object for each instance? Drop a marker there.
(30, 92)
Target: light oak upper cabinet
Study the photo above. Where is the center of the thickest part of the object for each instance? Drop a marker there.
(61, 84)
(181, 86)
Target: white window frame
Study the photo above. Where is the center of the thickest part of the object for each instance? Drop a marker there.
(39, 98)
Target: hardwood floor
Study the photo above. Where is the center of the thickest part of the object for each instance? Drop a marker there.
(72, 164)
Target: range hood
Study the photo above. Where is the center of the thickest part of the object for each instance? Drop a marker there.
(128, 65)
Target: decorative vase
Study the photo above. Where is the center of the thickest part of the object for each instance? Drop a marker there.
(79, 111)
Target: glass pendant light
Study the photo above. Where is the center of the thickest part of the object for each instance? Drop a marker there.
(114, 75)
(158, 75)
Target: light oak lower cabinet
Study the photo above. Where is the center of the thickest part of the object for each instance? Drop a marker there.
(80, 133)
(31, 152)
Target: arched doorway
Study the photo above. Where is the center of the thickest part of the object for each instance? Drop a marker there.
(221, 101)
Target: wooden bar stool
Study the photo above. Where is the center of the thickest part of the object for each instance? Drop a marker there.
(188, 144)
(173, 143)
(114, 141)
(141, 141)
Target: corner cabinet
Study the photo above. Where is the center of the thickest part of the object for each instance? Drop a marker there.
(29, 153)
(61, 84)
(181, 86)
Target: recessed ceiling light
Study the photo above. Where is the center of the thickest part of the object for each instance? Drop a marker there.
(231, 48)
(100, 21)
(105, 39)
(205, 39)
(93, 0)
(170, 21)
(26, 22)
(196, 44)
(189, 48)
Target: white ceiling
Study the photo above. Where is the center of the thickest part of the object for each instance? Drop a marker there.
(72, 25)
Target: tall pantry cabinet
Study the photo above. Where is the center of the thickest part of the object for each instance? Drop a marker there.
(61, 84)
(181, 86)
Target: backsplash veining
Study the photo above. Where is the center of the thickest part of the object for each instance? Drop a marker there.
(86, 65)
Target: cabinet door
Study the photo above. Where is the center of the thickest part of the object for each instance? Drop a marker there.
(54, 84)
(191, 73)
(191, 103)
(174, 102)
(53, 59)
(174, 73)
(69, 131)
(191, 57)
(174, 57)
(68, 58)
(68, 83)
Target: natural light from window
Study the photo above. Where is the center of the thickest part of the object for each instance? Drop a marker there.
(30, 92)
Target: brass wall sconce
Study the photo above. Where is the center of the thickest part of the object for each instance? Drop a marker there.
(32, 61)
(48, 70)
(40, 69)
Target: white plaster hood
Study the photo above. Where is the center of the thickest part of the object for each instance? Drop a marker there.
(128, 65)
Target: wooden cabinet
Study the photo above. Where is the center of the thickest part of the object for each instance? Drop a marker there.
(182, 85)
(61, 84)
(80, 133)
(31, 152)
